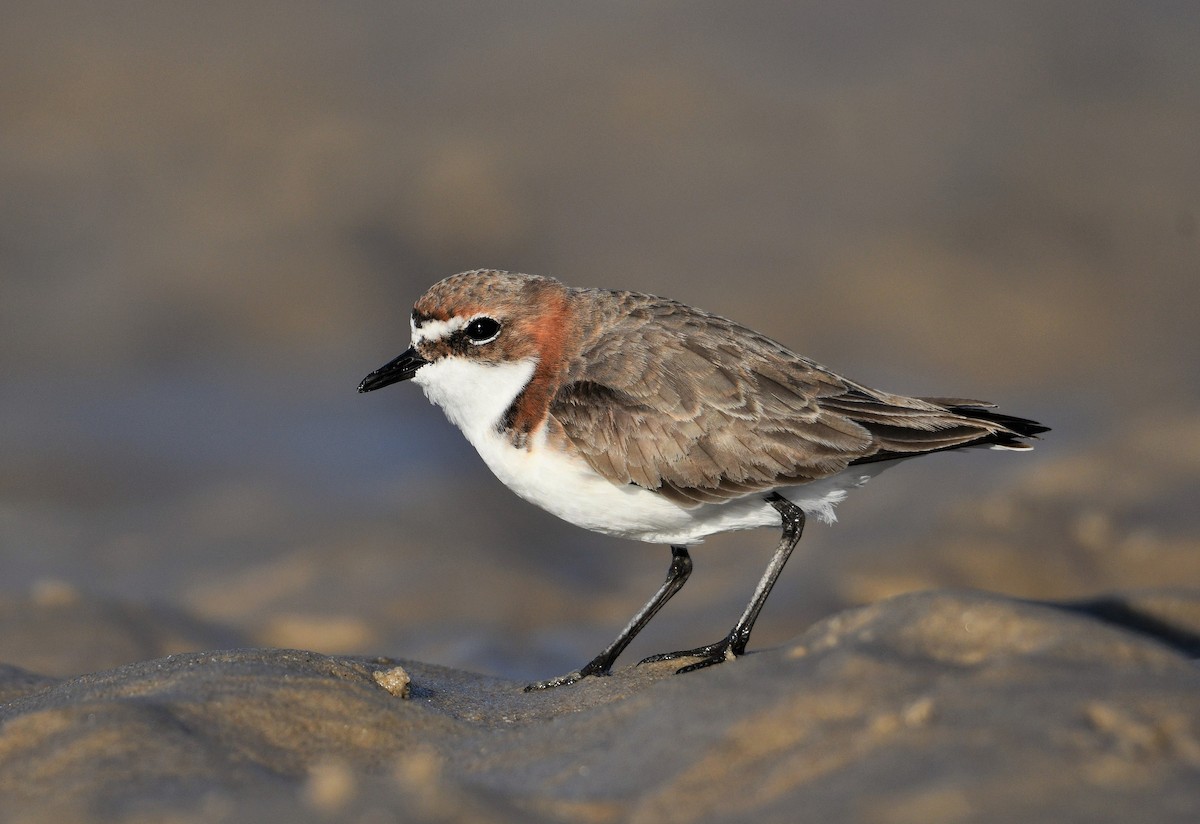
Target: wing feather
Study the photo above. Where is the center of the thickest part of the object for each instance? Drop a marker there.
(703, 410)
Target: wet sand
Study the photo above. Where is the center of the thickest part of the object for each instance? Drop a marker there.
(939, 706)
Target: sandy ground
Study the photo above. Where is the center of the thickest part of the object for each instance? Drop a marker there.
(213, 224)
(942, 706)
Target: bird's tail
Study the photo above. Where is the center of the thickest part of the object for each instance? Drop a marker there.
(1015, 430)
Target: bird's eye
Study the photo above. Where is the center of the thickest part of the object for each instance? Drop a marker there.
(483, 330)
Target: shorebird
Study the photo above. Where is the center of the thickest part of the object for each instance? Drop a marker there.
(641, 417)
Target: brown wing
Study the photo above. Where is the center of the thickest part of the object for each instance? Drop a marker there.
(702, 409)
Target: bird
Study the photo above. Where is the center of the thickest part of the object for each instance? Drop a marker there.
(644, 418)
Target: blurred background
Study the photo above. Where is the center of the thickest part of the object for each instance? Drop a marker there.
(214, 219)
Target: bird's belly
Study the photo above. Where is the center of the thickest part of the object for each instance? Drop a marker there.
(568, 487)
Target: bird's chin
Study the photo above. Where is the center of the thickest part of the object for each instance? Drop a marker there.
(400, 368)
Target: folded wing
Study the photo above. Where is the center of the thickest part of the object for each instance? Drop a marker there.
(701, 409)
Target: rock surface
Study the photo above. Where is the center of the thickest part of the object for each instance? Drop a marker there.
(939, 706)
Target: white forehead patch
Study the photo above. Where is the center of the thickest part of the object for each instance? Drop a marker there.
(436, 329)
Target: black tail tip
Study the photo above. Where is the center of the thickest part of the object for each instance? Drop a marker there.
(1023, 427)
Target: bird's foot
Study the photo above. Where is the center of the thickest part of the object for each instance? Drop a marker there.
(709, 655)
(598, 666)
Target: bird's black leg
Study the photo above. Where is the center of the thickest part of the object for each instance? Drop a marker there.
(677, 575)
(734, 644)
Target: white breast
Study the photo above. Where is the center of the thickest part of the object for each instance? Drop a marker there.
(474, 396)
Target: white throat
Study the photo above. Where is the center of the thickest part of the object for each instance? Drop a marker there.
(474, 395)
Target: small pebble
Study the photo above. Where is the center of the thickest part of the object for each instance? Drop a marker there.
(394, 680)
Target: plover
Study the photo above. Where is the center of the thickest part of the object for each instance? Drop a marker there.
(644, 418)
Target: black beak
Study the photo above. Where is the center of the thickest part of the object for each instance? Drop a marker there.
(399, 369)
